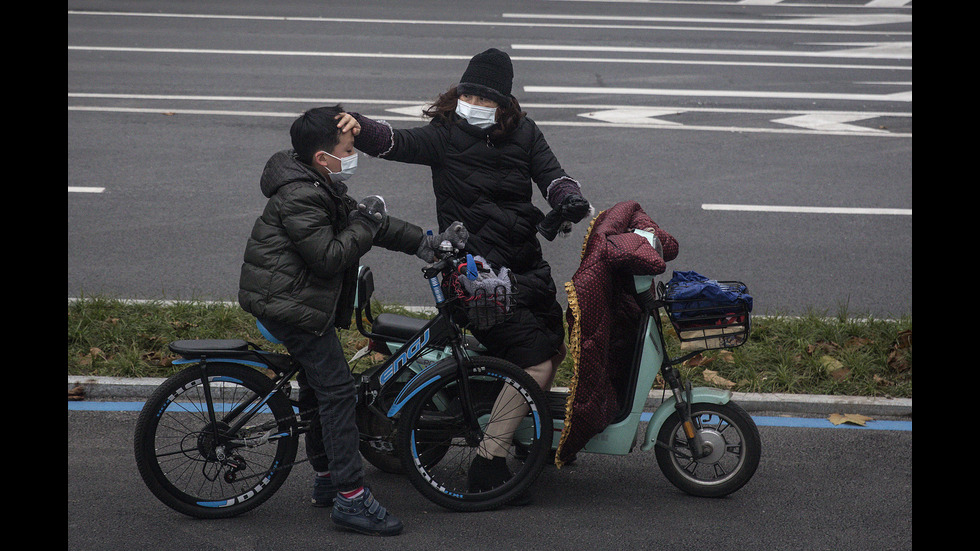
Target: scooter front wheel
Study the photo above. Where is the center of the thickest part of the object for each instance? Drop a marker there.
(729, 453)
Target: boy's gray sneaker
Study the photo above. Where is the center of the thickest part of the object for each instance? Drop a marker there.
(324, 491)
(365, 515)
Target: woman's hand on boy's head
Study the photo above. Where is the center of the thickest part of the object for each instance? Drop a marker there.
(347, 123)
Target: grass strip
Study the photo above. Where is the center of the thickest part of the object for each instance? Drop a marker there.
(809, 354)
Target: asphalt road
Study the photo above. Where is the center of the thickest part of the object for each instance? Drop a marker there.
(688, 108)
(839, 489)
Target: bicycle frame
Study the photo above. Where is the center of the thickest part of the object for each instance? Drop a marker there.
(420, 355)
(434, 338)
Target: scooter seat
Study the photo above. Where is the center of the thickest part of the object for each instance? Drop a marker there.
(399, 328)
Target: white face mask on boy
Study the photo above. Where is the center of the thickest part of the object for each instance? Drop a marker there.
(348, 165)
(481, 117)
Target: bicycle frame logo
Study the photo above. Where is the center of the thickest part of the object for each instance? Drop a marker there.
(405, 357)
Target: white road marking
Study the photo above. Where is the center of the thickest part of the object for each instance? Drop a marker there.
(633, 115)
(590, 24)
(602, 115)
(898, 96)
(872, 50)
(779, 3)
(808, 210)
(444, 57)
(829, 122)
(851, 20)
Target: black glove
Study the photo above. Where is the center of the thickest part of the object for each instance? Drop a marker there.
(574, 208)
(456, 234)
(371, 210)
(571, 210)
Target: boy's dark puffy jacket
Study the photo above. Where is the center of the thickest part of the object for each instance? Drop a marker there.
(302, 255)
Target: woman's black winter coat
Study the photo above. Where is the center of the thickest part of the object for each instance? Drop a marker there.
(487, 185)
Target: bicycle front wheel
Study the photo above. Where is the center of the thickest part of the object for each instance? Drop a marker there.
(438, 446)
(192, 459)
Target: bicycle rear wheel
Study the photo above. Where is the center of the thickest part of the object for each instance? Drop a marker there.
(190, 459)
(437, 446)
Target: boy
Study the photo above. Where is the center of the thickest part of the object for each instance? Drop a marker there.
(298, 279)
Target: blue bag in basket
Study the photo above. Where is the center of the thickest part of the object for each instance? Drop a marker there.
(702, 292)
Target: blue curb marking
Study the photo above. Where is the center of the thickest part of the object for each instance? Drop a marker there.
(797, 422)
(817, 423)
(822, 423)
(105, 406)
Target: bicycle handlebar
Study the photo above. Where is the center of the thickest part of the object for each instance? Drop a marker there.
(446, 258)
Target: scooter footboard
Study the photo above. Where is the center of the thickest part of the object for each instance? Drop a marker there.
(664, 410)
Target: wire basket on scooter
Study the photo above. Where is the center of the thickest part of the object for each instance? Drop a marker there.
(708, 321)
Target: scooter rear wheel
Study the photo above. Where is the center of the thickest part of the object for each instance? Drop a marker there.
(731, 446)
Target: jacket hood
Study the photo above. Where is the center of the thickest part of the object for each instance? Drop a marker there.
(285, 168)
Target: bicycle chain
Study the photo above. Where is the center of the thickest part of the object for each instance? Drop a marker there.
(299, 461)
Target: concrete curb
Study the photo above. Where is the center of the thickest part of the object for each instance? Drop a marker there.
(115, 388)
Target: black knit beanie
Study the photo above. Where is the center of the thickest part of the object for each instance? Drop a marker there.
(490, 75)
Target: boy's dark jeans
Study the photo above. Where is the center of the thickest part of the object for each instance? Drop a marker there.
(325, 380)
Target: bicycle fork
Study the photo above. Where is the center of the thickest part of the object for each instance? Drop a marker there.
(473, 434)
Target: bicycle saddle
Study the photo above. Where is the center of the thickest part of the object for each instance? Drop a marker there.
(202, 347)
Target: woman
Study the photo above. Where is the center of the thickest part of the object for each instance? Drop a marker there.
(486, 155)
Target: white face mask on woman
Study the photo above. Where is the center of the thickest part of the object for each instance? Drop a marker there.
(482, 117)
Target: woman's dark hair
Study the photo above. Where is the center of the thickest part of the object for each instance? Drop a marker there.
(315, 130)
(444, 109)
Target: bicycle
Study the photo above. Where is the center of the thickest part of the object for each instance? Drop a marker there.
(220, 437)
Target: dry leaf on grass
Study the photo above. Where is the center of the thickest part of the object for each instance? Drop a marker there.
(857, 342)
(700, 360)
(904, 339)
(157, 359)
(94, 353)
(713, 378)
(897, 359)
(833, 367)
(822, 346)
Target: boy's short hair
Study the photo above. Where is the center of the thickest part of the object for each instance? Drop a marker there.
(315, 130)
